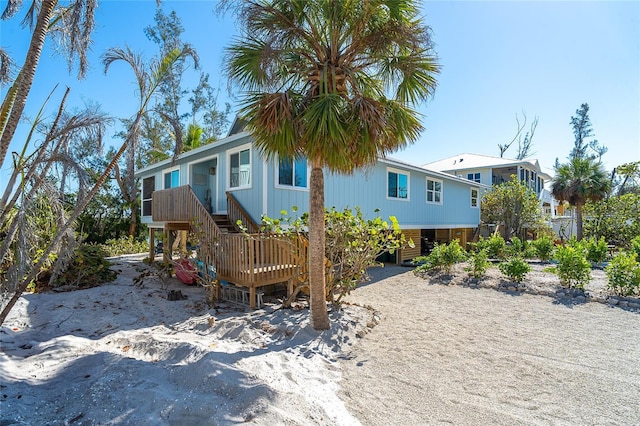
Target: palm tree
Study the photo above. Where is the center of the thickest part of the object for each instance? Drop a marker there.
(74, 23)
(148, 81)
(335, 82)
(580, 180)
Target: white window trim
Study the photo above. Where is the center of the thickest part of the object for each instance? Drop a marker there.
(477, 206)
(400, 172)
(237, 150)
(171, 170)
(426, 190)
(278, 185)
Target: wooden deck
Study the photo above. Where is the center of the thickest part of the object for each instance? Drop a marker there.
(248, 260)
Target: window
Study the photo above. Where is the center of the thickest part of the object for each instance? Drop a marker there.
(434, 191)
(474, 197)
(240, 169)
(474, 177)
(148, 186)
(397, 185)
(172, 179)
(292, 172)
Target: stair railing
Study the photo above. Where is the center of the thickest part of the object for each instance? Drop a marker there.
(236, 213)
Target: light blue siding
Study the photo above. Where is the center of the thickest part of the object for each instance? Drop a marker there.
(367, 189)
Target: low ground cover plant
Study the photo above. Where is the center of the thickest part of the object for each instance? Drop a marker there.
(124, 245)
(623, 273)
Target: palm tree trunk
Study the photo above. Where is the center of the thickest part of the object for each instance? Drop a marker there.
(26, 75)
(317, 287)
(579, 221)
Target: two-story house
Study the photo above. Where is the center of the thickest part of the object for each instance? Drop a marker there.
(490, 170)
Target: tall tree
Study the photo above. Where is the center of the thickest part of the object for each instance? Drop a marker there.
(149, 83)
(204, 109)
(335, 82)
(579, 180)
(525, 143)
(73, 23)
(167, 34)
(582, 130)
(514, 205)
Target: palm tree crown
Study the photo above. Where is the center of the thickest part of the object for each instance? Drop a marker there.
(333, 80)
(578, 181)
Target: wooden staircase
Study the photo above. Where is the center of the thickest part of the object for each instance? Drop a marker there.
(224, 223)
(252, 259)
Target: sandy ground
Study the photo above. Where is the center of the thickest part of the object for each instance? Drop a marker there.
(121, 354)
(444, 354)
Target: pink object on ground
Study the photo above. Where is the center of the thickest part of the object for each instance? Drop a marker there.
(186, 272)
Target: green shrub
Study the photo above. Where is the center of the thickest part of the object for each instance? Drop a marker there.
(635, 245)
(442, 257)
(514, 248)
(529, 250)
(573, 268)
(87, 268)
(124, 245)
(495, 246)
(478, 264)
(516, 269)
(544, 248)
(623, 273)
(596, 250)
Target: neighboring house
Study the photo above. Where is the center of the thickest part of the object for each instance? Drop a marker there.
(230, 178)
(490, 170)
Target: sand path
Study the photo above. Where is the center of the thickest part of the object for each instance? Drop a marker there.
(453, 355)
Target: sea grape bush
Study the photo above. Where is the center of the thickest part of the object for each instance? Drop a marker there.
(495, 246)
(352, 244)
(635, 245)
(573, 267)
(623, 273)
(596, 250)
(516, 269)
(478, 264)
(442, 257)
(543, 248)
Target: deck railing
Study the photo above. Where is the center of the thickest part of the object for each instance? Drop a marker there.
(235, 213)
(182, 205)
(255, 260)
(252, 260)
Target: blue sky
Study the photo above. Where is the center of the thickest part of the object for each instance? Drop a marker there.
(498, 59)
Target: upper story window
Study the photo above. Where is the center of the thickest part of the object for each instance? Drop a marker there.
(474, 177)
(397, 184)
(172, 179)
(434, 191)
(240, 169)
(148, 186)
(292, 172)
(474, 197)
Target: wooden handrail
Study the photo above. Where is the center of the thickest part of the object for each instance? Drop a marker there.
(182, 205)
(235, 213)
